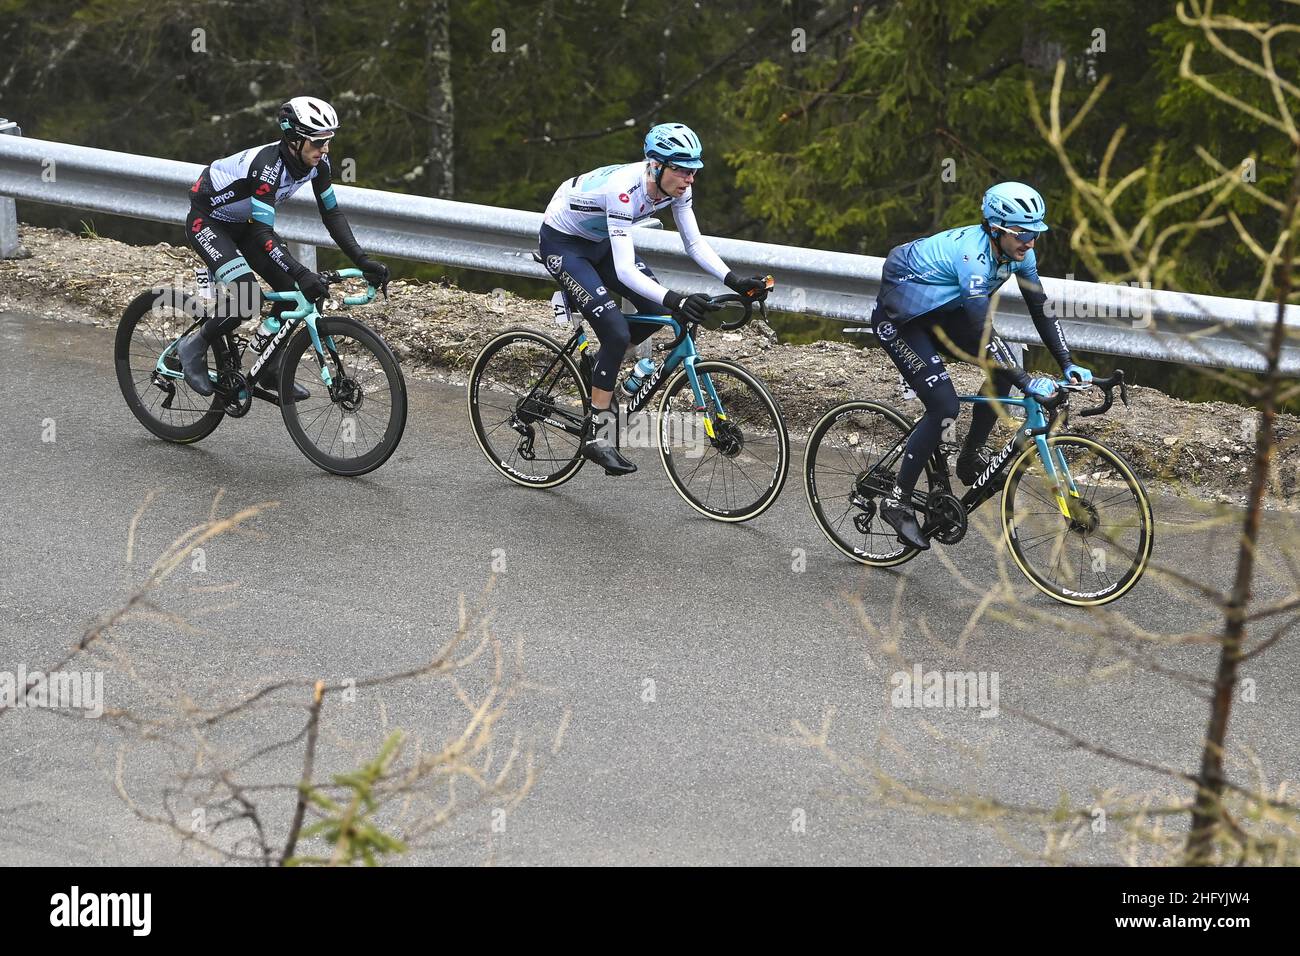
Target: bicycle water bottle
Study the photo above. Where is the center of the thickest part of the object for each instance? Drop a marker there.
(640, 372)
(265, 332)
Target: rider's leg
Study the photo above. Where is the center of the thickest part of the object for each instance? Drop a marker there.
(237, 294)
(972, 460)
(571, 261)
(911, 347)
(266, 253)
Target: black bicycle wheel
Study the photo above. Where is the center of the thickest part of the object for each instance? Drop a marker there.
(844, 478)
(353, 425)
(1100, 550)
(167, 406)
(730, 462)
(527, 405)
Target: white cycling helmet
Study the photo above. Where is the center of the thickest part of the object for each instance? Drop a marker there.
(309, 118)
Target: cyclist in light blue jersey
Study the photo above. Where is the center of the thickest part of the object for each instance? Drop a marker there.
(934, 296)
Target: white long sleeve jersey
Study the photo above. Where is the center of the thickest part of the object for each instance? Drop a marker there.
(606, 202)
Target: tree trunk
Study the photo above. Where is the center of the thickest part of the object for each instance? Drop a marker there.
(1206, 813)
(440, 169)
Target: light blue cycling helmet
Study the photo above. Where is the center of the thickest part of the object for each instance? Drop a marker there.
(1015, 206)
(674, 143)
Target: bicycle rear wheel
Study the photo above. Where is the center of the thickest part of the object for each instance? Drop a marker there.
(1100, 550)
(353, 425)
(166, 406)
(845, 477)
(527, 405)
(729, 459)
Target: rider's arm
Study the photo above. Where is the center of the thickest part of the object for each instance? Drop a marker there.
(620, 245)
(696, 247)
(336, 224)
(1049, 329)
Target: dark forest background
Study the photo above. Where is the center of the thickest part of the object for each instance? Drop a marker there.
(826, 123)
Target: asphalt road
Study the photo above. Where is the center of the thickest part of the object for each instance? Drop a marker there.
(666, 657)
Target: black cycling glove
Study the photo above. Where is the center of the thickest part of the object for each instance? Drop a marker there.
(376, 273)
(743, 285)
(313, 286)
(691, 307)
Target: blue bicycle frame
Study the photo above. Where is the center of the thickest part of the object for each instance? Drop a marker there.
(683, 354)
(1036, 426)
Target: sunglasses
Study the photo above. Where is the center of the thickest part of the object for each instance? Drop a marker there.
(321, 143)
(1025, 236)
(682, 170)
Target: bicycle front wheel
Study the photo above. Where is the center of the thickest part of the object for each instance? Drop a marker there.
(1085, 536)
(850, 464)
(727, 457)
(352, 425)
(164, 405)
(527, 405)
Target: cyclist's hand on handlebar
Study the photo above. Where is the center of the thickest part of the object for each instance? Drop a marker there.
(745, 286)
(1040, 386)
(376, 273)
(691, 307)
(313, 286)
(1077, 373)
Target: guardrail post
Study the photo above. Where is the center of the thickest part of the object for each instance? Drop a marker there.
(304, 253)
(10, 248)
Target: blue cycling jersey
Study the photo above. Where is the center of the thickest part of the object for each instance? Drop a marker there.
(950, 268)
(956, 269)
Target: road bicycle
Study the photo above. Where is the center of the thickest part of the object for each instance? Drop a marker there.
(721, 435)
(1075, 516)
(355, 415)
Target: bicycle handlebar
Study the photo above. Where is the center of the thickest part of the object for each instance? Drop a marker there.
(330, 277)
(746, 300)
(1107, 386)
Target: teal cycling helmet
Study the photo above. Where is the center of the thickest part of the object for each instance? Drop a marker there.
(1015, 206)
(674, 143)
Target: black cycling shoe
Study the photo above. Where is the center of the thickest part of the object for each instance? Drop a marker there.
(596, 447)
(269, 379)
(192, 350)
(903, 520)
(971, 464)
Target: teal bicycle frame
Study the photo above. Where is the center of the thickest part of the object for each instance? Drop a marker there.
(683, 354)
(282, 327)
(1036, 426)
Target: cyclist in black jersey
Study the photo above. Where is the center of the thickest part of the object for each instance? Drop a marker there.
(231, 227)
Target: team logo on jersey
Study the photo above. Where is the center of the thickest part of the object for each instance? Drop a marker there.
(623, 197)
(196, 225)
(270, 244)
(554, 263)
(886, 331)
(263, 189)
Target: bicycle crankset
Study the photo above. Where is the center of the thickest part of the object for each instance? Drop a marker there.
(945, 518)
(235, 393)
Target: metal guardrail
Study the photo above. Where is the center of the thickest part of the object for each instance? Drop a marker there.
(1172, 327)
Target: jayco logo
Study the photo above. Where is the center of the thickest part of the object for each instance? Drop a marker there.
(952, 689)
(103, 909)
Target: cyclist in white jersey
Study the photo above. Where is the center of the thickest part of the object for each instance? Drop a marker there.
(586, 243)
